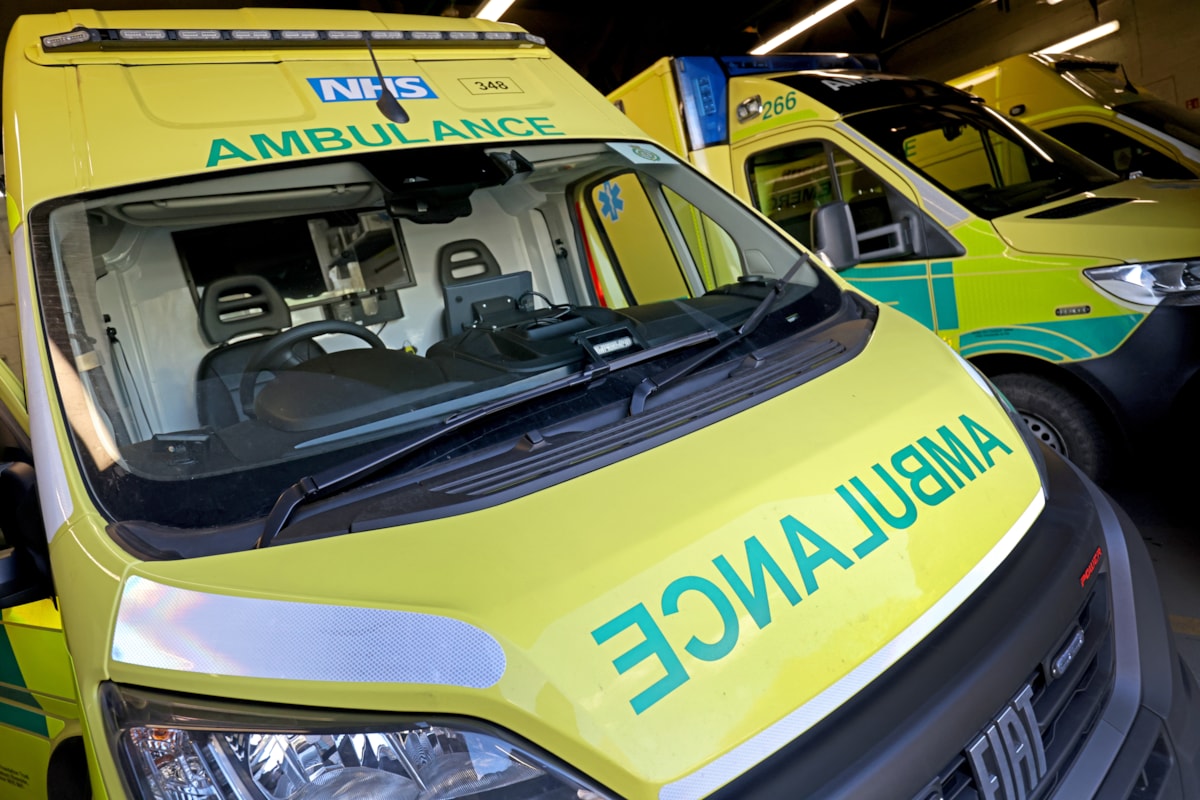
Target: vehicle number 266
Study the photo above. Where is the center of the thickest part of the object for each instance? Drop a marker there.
(778, 105)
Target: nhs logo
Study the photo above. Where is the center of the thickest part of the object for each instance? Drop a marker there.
(338, 90)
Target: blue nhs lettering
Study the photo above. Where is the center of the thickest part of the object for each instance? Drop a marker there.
(340, 90)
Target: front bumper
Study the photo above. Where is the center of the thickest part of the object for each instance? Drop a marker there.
(1159, 754)
(1144, 381)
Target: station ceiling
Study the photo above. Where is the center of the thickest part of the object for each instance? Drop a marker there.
(609, 41)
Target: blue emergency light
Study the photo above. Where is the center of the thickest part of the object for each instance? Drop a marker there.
(703, 81)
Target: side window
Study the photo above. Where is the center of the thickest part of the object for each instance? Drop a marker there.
(637, 254)
(14, 442)
(788, 183)
(712, 249)
(647, 243)
(1122, 154)
(14, 447)
(959, 158)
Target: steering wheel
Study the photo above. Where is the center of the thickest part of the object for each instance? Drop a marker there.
(278, 353)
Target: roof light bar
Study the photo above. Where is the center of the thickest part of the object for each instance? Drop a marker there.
(60, 40)
(200, 36)
(141, 35)
(170, 39)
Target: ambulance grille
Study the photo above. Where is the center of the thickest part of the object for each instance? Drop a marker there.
(1067, 708)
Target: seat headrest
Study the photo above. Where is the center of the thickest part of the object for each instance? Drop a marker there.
(466, 260)
(241, 304)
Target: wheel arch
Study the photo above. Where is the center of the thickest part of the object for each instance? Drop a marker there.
(1183, 408)
(67, 776)
(993, 364)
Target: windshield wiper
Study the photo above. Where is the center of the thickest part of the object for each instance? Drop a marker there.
(650, 385)
(347, 474)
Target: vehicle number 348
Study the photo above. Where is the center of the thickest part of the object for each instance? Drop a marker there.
(490, 85)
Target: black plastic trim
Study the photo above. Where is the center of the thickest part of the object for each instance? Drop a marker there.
(1164, 353)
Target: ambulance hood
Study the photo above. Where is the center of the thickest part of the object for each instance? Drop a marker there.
(1135, 220)
(719, 593)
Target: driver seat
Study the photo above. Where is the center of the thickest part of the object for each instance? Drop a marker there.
(238, 314)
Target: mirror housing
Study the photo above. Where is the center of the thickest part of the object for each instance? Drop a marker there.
(833, 235)
(25, 562)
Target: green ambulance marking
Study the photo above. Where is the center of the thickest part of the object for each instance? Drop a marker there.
(12, 690)
(925, 294)
(945, 304)
(1059, 340)
(311, 141)
(890, 495)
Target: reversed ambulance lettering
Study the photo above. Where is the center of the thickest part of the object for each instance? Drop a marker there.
(920, 475)
(311, 141)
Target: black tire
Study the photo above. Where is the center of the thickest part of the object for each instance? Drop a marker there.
(1061, 420)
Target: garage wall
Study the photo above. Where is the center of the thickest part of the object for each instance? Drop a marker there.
(1159, 41)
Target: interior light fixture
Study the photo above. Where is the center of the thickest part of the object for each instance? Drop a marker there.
(800, 27)
(1067, 45)
(974, 80)
(493, 9)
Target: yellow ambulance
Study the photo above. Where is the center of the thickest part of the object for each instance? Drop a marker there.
(1074, 291)
(399, 421)
(1091, 106)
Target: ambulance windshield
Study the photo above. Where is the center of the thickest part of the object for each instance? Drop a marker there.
(990, 164)
(215, 340)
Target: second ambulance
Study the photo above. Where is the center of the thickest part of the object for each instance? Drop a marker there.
(1078, 293)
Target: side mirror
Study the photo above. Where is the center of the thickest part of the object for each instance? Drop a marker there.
(834, 236)
(25, 562)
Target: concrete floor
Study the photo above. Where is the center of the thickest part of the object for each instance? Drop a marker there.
(1171, 532)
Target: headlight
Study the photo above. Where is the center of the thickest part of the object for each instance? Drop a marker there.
(1148, 284)
(173, 748)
